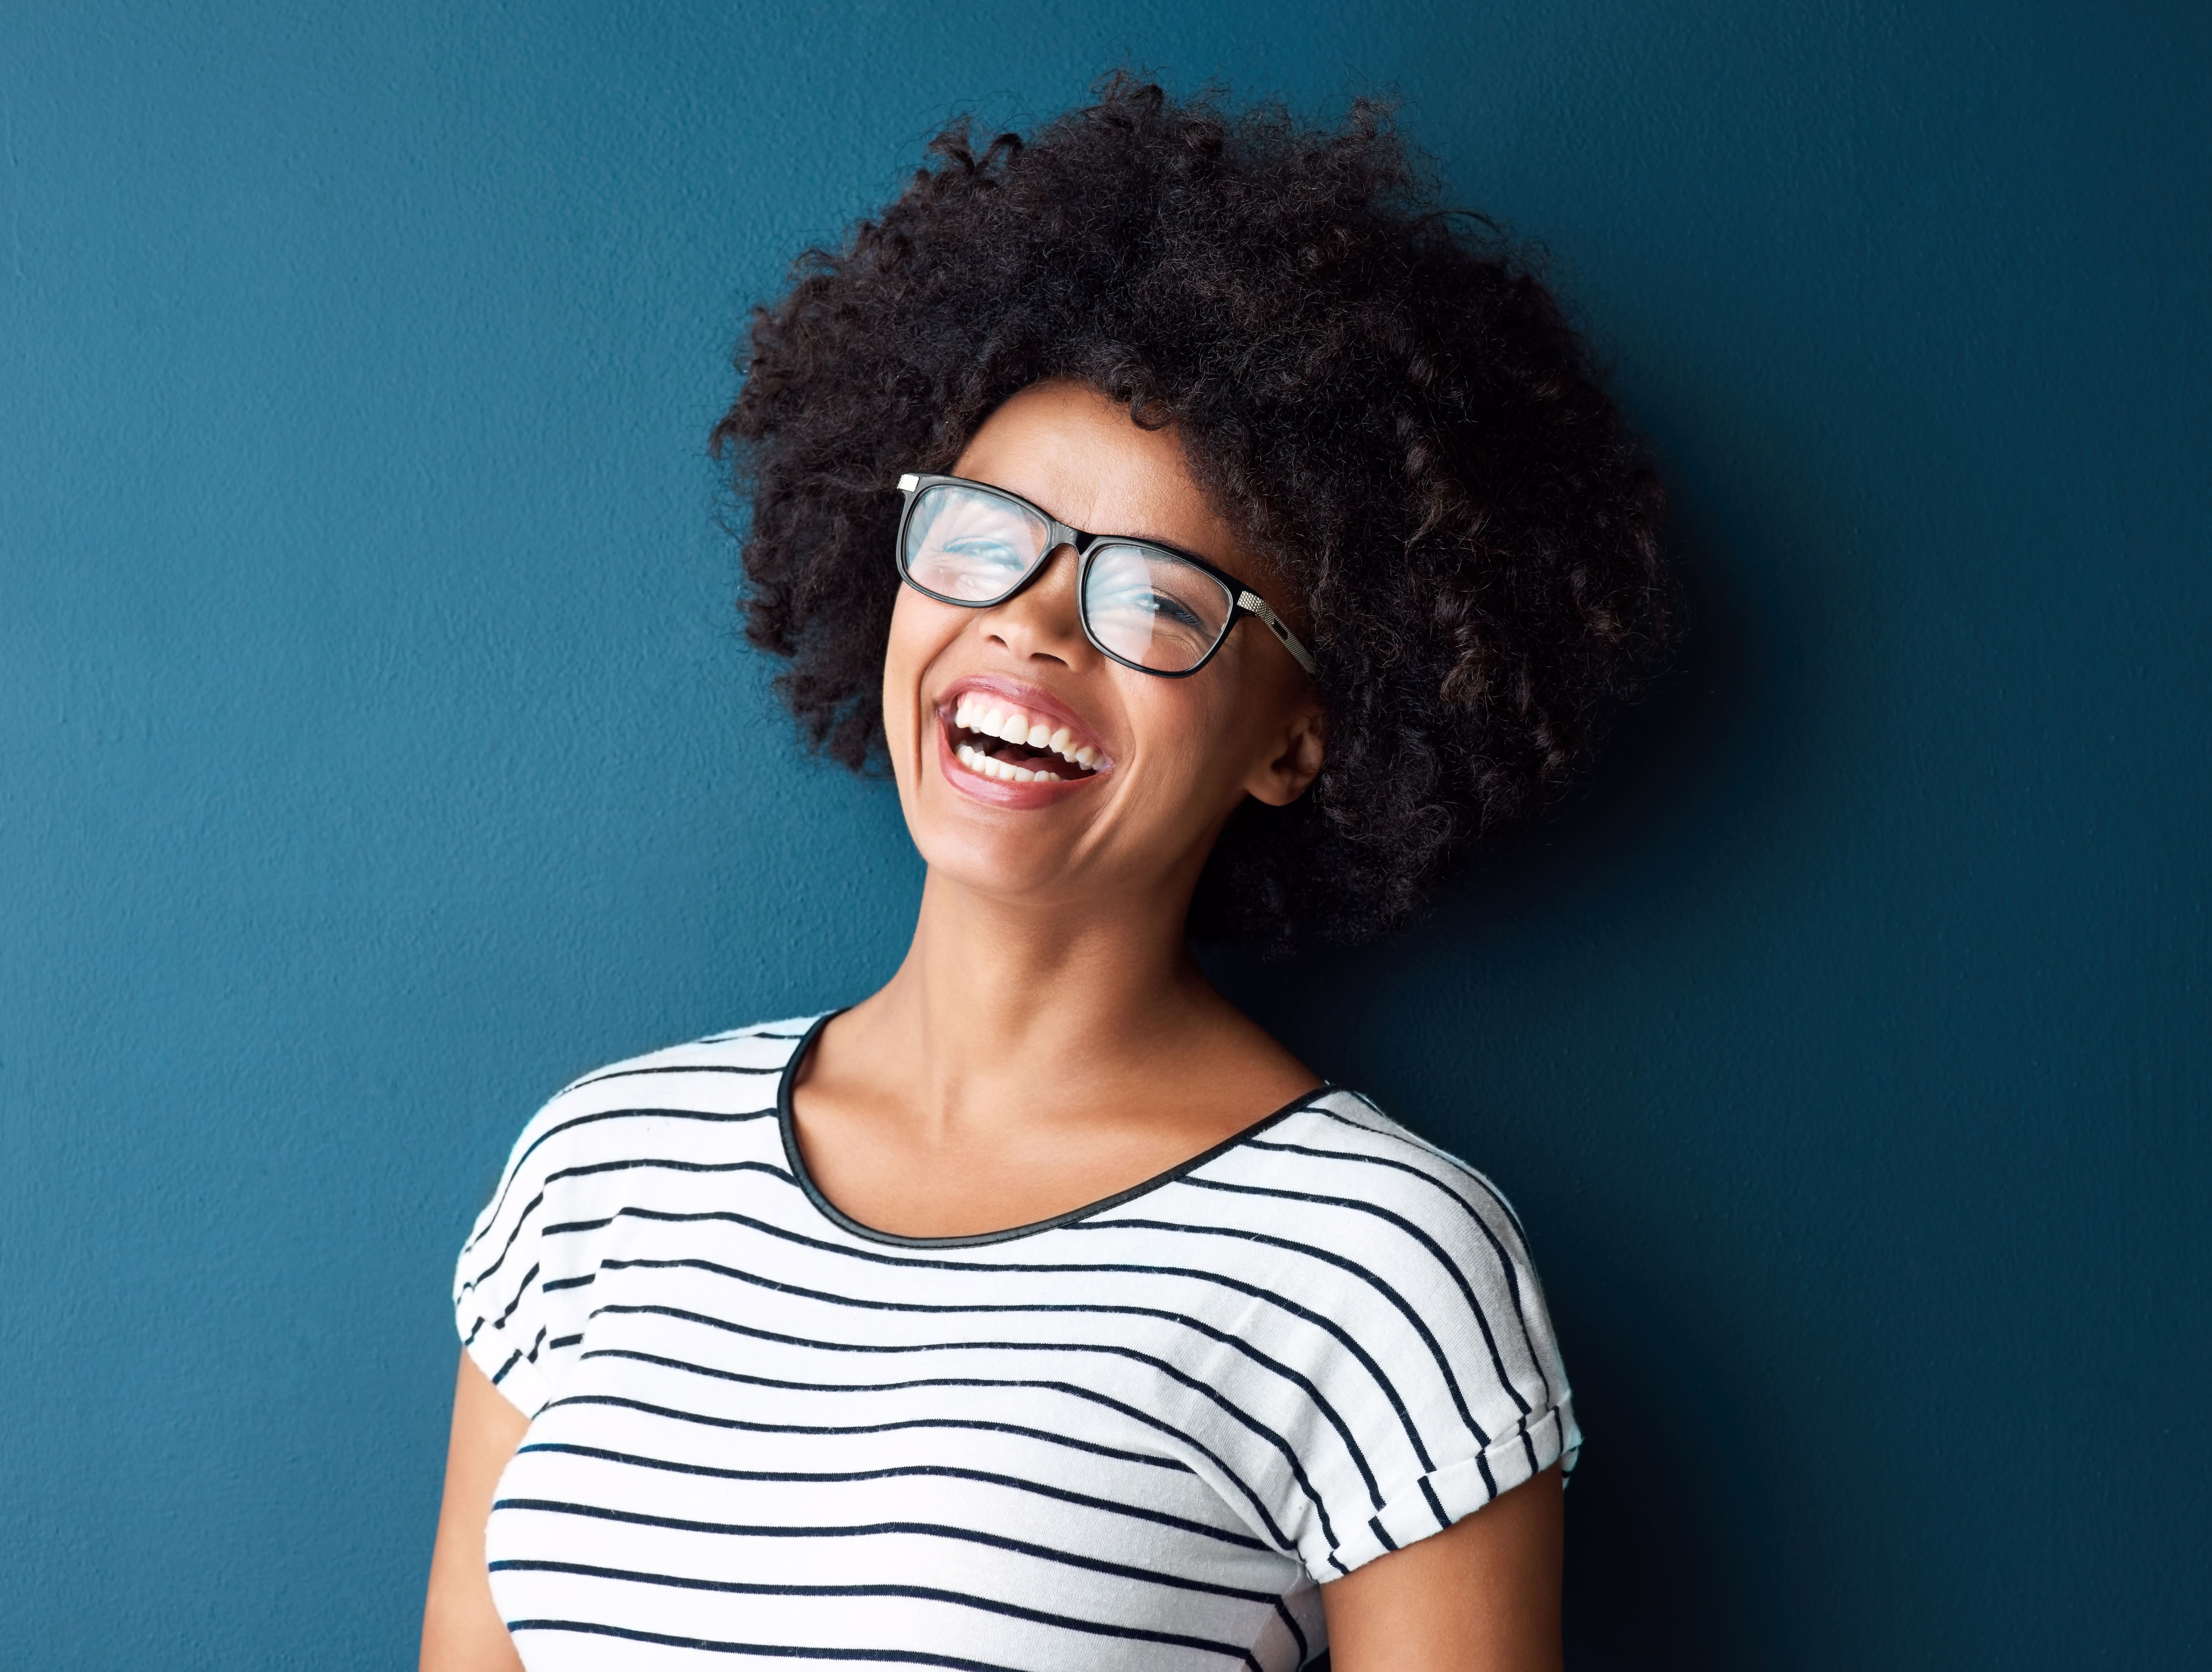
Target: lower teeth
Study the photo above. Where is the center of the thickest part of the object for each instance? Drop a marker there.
(1005, 771)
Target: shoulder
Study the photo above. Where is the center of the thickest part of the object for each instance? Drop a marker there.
(1341, 1155)
(1338, 1180)
(1425, 1329)
(761, 1049)
(729, 1077)
(611, 1143)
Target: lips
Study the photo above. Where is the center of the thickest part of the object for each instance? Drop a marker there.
(1015, 738)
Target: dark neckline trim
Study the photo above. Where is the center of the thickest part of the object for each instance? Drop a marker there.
(787, 1125)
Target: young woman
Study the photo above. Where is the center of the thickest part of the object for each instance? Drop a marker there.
(1210, 536)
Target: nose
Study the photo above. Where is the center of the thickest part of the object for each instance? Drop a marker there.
(1042, 620)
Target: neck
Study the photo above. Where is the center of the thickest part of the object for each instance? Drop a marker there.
(1003, 1005)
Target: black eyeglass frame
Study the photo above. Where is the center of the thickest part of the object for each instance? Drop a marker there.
(1243, 600)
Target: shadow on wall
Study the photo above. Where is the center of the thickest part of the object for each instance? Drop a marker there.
(1660, 1574)
(1652, 1579)
(1656, 1573)
(1657, 1576)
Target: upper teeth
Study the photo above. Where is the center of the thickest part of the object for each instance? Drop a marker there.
(976, 713)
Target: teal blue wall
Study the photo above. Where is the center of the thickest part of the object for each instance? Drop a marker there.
(376, 751)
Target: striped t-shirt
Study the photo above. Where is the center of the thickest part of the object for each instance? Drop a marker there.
(1136, 1435)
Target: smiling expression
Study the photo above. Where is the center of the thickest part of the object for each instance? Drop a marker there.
(1027, 761)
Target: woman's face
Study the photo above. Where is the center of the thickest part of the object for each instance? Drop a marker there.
(1135, 774)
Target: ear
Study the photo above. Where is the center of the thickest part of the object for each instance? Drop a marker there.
(1295, 762)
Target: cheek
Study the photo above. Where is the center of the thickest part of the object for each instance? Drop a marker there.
(1190, 741)
(1210, 733)
(920, 631)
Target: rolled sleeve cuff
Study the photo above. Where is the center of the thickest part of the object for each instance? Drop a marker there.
(1432, 1502)
(512, 1369)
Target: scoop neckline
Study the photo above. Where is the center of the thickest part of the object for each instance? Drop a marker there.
(786, 1125)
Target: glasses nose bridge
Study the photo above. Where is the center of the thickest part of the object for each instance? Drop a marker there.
(1054, 545)
(1036, 594)
(1059, 538)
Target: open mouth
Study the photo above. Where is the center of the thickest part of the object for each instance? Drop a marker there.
(996, 736)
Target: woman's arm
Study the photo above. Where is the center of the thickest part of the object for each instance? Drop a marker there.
(1483, 1596)
(461, 1628)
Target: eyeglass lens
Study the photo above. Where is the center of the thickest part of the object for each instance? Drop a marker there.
(1147, 605)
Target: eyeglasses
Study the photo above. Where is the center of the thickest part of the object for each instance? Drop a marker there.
(1148, 606)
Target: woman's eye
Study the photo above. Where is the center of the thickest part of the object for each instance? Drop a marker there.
(982, 553)
(1164, 607)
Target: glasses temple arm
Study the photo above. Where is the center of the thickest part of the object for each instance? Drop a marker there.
(1252, 603)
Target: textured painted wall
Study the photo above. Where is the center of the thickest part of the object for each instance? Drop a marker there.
(376, 751)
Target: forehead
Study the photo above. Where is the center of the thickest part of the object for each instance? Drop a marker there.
(1071, 450)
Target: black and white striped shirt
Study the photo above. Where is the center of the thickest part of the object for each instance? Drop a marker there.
(1136, 1436)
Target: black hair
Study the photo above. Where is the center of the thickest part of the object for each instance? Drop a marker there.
(1378, 392)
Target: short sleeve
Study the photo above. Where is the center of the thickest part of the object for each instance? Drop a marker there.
(1446, 1371)
(519, 1294)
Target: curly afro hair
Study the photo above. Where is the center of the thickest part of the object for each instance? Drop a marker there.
(1378, 392)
